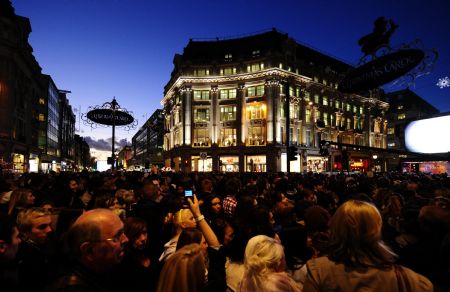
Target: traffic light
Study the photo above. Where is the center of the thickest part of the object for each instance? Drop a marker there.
(292, 153)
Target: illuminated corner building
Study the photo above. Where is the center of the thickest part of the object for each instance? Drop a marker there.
(147, 143)
(21, 88)
(235, 105)
(405, 107)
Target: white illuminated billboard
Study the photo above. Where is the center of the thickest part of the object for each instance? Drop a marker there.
(429, 135)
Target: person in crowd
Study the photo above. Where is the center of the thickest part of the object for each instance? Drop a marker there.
(36, 265)
(136, 271)
(184, 271)
(265, 265)
(212, 210)
(230, 201)
(20, 199)
(9, 244)
(151, 210)
(181, 220)
(94, 247)
(358, 258)
(216, 279)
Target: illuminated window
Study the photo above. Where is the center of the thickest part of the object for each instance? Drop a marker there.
(391, 144)
(355, 109)
(325, 119)
(228, 57)
(400, 107)
(316, 98)
(297, 91)
(201, 115)
(228, 113)
(227, 137)
(349, 107)
(336, 104)
(201, 138)
(291, 91)
(41, 101)
(324, 82)
(332, 120)
(361, 109)
(325, 100)
(308, 116)
(256, 136)
(255, 90)
(201, 72)
(307, 96)
(228, 71)
(41, 117)
(227, 93)
(255, 53)
(401, 116)
(294, 110)
(316, 79)
(201, 95)
(256, 111)
(255, 67)
(280, 66)
(349, 123)
(391, 131)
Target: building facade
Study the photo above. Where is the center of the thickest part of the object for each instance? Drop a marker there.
(81, 153)
(67, 132)
(238, 104)
(21, 89)
(36, 120)
(148, 141)
(405, 107)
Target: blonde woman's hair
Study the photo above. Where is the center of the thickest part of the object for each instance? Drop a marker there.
(263, 255)
(184, 271)
(355, 236)
(180, 217)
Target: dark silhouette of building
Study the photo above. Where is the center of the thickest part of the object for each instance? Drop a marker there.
(81, 153)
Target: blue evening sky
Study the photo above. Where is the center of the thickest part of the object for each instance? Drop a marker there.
(124, 48)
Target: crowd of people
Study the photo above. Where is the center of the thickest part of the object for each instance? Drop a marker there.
(135, 231)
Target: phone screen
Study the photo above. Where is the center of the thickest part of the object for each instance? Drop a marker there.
(188, 193)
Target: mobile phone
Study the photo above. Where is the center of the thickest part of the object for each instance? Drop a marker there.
(188, 193)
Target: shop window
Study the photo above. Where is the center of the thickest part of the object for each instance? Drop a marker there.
(256, 136)
(201, 138)
(227, 137)
(201, 115)
(228, 113)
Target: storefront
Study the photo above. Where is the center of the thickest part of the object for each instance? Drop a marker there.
(255, 163)
(316, 163)
(434, 167)
(201, 165)
(229, 163)
(359, 164)
(18, 163)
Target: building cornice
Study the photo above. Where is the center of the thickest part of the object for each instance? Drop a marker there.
(272, 72)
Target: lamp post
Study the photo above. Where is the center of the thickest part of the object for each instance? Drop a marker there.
(110, 114)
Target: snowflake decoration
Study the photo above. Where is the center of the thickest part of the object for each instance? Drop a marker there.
(443, 82)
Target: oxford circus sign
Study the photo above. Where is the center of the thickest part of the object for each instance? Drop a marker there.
(110, 117)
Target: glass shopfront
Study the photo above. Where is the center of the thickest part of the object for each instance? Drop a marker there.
(316, 163)
(255, 163)
(229, 163)
(201, 165)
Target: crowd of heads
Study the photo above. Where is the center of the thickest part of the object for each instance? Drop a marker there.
(267, 222)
